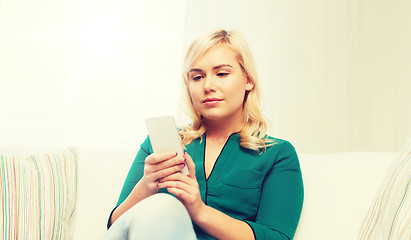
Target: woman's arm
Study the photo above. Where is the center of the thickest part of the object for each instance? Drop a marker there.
(282, 197)
(156, 166)
(139, 192)
(222, 226)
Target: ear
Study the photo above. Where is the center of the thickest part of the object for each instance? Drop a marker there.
(249, 85)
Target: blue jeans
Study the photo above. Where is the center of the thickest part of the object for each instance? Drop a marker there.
(160, 216)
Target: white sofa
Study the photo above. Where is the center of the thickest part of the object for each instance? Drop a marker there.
(339, 190)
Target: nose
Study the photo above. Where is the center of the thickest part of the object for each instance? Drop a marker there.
(209, 84)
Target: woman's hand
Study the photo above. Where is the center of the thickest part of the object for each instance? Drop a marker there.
(212, 221)
(158, 166)
(185, 188)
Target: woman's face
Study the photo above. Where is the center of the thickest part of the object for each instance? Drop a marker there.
(217, 85)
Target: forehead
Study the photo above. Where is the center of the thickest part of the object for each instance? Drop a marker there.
(217, 55)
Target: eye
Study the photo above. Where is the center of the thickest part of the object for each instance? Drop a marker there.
(222, 74)
(197, 77)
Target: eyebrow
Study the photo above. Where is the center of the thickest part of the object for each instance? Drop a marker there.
(195, 70)
(222, 65)
(214, 68)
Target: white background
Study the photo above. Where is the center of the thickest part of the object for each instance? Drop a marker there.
(336, 75)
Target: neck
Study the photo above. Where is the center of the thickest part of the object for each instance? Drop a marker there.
(222, 129)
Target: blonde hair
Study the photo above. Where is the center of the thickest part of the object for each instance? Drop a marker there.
(253, 133)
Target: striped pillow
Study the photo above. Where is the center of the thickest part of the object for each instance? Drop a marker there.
(38, 194)
(390, 214)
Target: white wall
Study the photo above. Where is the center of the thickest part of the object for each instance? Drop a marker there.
(335, 74)
(87, 73)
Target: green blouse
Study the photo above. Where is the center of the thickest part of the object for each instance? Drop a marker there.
(264, 190)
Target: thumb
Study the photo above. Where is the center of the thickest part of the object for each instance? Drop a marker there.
(191, 166)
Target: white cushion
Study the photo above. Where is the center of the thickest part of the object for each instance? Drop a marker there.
(338, 191)
(102, 174)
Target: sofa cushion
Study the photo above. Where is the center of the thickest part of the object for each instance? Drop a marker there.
(38, 193)
(338, 190)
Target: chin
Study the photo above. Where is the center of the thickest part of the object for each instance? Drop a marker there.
(213, 116)
(217, 114)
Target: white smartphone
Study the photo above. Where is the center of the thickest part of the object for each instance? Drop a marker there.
(164, 136)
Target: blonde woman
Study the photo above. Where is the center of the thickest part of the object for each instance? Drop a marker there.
(242, 183)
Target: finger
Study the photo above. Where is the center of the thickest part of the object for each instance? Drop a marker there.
(172, 177)
(178, 176)
(175, 184)
(156, 158)
(179, 193)
(190, 164)
(160, 174)
(179, 180)
(169, 163)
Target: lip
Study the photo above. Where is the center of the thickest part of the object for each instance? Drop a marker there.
(212, 101)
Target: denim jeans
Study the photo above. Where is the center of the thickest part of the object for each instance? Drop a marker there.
(160, 216)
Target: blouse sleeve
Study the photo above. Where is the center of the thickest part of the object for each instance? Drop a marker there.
(135, 173)
(281, 198)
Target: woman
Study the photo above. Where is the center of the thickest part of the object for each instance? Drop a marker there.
(242, 184)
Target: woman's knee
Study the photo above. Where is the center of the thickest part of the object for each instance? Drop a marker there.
(165, 206)
(161, 216)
